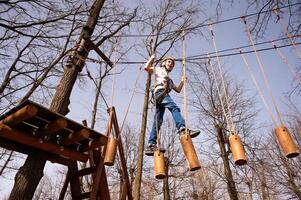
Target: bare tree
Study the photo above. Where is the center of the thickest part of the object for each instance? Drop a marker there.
(167, 15)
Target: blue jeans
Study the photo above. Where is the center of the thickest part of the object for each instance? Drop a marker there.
(176, 114)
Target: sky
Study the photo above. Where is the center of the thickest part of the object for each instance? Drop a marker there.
(227, 35)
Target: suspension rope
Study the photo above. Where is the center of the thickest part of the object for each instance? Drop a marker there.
(130, 102)
(285, 61)
(285, 28)
(219, 93)
(267, 109)
(223, 81)
(262, 69)
(206, 24)
(203, 56)
(97, 87)
(185, 83)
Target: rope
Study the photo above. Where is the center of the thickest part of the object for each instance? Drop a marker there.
(130, 102)
(285, 28)
(219, 94)
(206, 24)
(185, 83)
(285, 60)
(262, 70)
(223, 81)
(205, 55)
(258, 89)
(97, 87)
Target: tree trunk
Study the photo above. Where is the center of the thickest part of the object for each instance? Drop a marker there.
(166, 182)
(227, 170)
(30, 174)
(291, 178)
(137, 181)
(263, 182)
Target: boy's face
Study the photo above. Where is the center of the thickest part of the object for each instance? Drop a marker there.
(169, 64)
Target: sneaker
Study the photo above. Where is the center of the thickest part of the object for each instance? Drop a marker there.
(151, 148)
(192, 133)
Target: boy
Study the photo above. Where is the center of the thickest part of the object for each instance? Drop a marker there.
(163, 85)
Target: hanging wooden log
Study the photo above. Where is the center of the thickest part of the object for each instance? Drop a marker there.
(286, 142)
(159, 165)
(237, 149)
(189, 152)
(29, 140)
(110, 152)
(76, 137)
(20, 115)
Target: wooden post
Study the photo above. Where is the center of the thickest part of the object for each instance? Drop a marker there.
(27, 139)
(239, 155)
(190, 153)
(52, 127)
(159, 165)
(76, 137)
(286, 142)
(110, 152)
(21, 115)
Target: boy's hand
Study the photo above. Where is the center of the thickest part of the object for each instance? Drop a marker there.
(184, 78)
(147, 65)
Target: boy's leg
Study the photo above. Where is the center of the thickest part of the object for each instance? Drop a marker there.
(152, 141)
(179, 120)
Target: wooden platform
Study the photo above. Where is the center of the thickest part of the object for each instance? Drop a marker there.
(31, 127)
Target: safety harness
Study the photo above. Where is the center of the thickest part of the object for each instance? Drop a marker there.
(167, 87)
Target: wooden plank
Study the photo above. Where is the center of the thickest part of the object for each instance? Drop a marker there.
(74, 181)
(93, 144)
(121, 156)
(104, 193)
(20, 115)
(97, 180)
(52, 127)
(100, 53)
(85, 171)
(76, 137)
(84, 195)
(65, 187)
(23, 138)
(11, 145)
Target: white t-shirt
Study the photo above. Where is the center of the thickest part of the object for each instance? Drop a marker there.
(162, 79)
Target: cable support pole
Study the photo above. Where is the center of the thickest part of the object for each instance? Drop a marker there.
(185, 80)
(223, 81)
(285, 61)
(285, 28)
(258, 89)
(156, 114)
(262, 70)
(219, 94)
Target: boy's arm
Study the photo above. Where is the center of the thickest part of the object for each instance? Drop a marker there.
(180, 86)
(148, 65)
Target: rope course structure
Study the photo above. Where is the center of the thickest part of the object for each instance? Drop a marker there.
(234, 139)
(283, 135)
